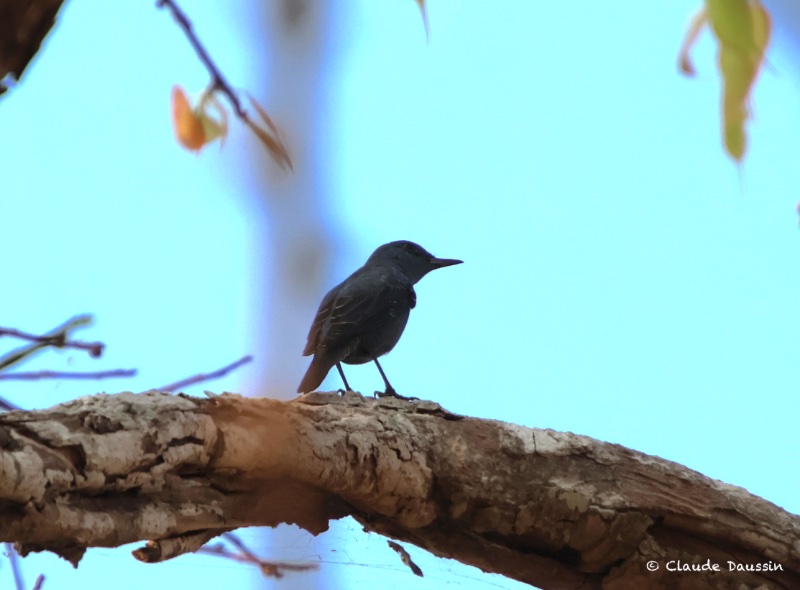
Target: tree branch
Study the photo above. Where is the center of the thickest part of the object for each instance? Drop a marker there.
(556, 510)
(37, 375)
(59, 340)
(218, 81)
(201, 377)
(269, 135)
(269, 568)
(23, 27)
(56, 338)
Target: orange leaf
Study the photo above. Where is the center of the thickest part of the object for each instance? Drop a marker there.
(187, 125)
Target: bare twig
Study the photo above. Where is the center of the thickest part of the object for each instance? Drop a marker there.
(273, 569)
(58, 340)
(200, 377)
(55, 337)
(13, 558)
(36, 375)
(217, 79)
(239, 544)
(8, 406)
(39, 582)
(273, 140)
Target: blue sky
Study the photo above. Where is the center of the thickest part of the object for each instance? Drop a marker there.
(622, 278)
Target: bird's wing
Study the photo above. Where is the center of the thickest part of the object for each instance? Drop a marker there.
(360, 306)
(316, 327)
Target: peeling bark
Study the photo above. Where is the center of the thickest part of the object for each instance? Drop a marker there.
(556, 510)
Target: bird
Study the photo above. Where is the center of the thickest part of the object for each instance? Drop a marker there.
(363, 317)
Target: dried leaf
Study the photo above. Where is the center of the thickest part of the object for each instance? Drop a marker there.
(276, 149)
(271, 138)
(264, 116)
(213, 128)
(696, 25)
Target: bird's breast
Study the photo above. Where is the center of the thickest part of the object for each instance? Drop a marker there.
(381, 338)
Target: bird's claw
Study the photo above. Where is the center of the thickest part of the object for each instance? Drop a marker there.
(390, 392)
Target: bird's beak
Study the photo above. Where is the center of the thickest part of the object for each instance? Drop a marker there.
(442, 262)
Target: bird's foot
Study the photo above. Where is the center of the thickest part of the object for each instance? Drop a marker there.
(390, 392)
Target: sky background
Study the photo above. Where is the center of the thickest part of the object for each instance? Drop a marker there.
(622, 278)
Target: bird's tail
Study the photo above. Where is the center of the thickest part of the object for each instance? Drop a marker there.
(316, 372)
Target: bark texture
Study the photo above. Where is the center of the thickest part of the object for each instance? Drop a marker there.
(556, 510)
(23, 26)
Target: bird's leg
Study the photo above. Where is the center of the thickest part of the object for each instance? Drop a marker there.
(344, 379)
(389, 389)
(390, 392)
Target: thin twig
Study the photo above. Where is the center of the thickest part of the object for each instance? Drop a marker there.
(7, 406)
(58, 341)
(274, 569)
(39, 582)
(239, 544)
(57, 335)
(217, 79)
(15, 569)
(36, 375)
(272, 138)
(200, 377)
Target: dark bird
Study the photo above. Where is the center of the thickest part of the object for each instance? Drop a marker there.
(363, 317)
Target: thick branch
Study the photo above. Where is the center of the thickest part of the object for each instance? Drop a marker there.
(23, 26)
(552, 509)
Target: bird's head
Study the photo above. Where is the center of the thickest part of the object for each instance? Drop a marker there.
(413, 259)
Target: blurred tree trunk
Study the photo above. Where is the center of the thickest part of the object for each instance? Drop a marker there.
(785, 18)
(289, 42)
